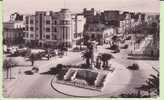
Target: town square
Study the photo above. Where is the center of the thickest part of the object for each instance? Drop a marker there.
(87, 53)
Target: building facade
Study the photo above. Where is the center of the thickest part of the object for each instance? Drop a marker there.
(53, 29)
(78, 22)
(110, 18)
(13, 30)
(98, 25)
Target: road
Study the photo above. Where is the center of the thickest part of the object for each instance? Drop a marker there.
(38, 85)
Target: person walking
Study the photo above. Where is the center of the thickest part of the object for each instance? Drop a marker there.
(32, 59)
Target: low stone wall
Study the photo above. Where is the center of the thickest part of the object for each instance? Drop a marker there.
(80, 85)
(70, 78)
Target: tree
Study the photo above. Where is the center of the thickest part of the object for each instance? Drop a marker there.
(115, 40)
(104, 58)
(98, 62)
(132, 95)
(60, 71)
(87, 55)
(91, 50)
(86, 39)
(151, 85)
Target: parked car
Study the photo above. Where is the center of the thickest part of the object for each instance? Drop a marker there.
(28, 72)
(12, 50)
(128, 38)
(134, 67)
(32, 71)
(21, 51)
(35, 69)
(51, 53)
(124, 47)
(116, 51)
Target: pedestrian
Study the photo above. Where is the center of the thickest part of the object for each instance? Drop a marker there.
(32, 59)
(48, 54)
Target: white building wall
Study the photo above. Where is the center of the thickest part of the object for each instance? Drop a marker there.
(64, 30)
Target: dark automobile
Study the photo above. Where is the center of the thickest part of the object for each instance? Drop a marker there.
(124, 47)
(51, 53)
(133, 67)
(116, 51)
(128, 38)
(29, 72)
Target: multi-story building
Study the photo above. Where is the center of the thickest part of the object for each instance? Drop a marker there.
(94, 32)
(100, 33)
(129, 21)
(16, 17)
(52, 29)
(92, 16)
(13, 30)
(98, 25)
(89, 12)
(78, 22)
(110, 17)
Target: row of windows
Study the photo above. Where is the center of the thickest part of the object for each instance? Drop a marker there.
(46, 36)
(31, 35)
(64, 22)
(54, 29)
(48, 22)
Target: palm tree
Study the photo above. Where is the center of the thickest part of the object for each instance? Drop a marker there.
(104, 58)
(152, 84)
(87, 55)
(90, 48)
(132, 95)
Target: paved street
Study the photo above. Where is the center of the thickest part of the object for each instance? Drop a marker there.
(28, 84)
(39, 85)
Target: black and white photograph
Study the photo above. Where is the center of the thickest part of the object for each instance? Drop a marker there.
(81, 48)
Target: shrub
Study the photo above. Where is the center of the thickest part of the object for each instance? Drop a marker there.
(60, 75)
(84, 66)
(114, 47)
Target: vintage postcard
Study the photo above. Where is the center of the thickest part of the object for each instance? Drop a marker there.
(81, 48)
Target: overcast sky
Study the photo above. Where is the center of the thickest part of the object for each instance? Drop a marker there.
(30, 6)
